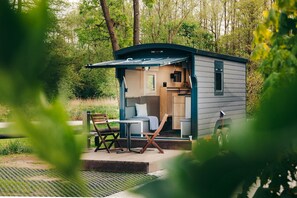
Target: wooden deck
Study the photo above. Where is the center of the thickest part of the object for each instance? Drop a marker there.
(164, 143)
(148, 162)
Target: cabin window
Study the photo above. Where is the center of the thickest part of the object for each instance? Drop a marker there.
(150, 83)
(219, 78)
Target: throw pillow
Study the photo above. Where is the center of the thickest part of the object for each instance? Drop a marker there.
(141, 110)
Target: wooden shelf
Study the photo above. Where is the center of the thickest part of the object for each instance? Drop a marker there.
(177, 89)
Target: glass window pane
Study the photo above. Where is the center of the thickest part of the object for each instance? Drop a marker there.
(151, 82)
(218, 82)
(218, 77)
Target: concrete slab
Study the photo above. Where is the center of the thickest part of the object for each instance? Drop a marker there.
(150, 161)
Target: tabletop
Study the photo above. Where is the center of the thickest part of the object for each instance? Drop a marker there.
(129, 121)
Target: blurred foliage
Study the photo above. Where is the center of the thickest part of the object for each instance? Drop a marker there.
(23, 38)
(276, 43)
(261, 158)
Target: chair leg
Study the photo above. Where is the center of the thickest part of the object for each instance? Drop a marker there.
(98, 147)
(149, 142)
(158, 147)
(119, 145)
(117, 142)
(111, 143)
(104, 143)
(144, 148)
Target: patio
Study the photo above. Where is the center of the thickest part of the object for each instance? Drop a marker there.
(150, 161)
(104, 173)
(17, 181)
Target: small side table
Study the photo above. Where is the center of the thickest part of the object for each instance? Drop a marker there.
(128, 124)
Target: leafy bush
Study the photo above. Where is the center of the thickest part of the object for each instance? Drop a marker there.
(254, 88)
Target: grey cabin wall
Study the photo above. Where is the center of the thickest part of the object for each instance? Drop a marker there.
(232, 102)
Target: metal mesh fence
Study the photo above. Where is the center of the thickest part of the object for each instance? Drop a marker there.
(48, 183)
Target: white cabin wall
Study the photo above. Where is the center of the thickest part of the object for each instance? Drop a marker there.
(233, 102)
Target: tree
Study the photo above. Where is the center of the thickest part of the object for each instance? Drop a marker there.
(94, 46)
(136, 28)
(162, 20)
(110, 25)
(191, 34)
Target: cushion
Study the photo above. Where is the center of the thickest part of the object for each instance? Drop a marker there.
(141, 110)
(130, 112)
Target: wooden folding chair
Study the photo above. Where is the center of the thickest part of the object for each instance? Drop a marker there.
(151, 136)
(105, 133)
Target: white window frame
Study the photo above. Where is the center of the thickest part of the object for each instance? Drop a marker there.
(148, 91)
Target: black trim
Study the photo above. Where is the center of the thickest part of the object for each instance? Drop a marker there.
(218, 69)
(154, 47)
(120, 73)
(221, 56)
(194, 101)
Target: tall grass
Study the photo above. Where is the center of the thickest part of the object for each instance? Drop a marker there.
(77, 107)
(4, 113)
(14, 146)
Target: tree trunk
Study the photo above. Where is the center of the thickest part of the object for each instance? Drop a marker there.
(110, 26)
(136, 22)
(20, 6)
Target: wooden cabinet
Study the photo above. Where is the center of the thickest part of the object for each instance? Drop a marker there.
(166, 101)
(163, 102)
(178, 111)
(173, 104)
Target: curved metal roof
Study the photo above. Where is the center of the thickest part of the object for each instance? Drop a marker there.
(160, 48)
(158, 54)
(132, 63)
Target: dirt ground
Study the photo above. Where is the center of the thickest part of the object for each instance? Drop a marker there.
(23, 161)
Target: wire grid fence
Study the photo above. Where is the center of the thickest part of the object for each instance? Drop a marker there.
(49, 183)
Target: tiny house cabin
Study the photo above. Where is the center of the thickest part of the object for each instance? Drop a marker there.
(197, 89)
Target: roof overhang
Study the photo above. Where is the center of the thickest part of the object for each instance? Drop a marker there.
(142, 62)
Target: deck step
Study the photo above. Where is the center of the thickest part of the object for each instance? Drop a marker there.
(150, 161)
